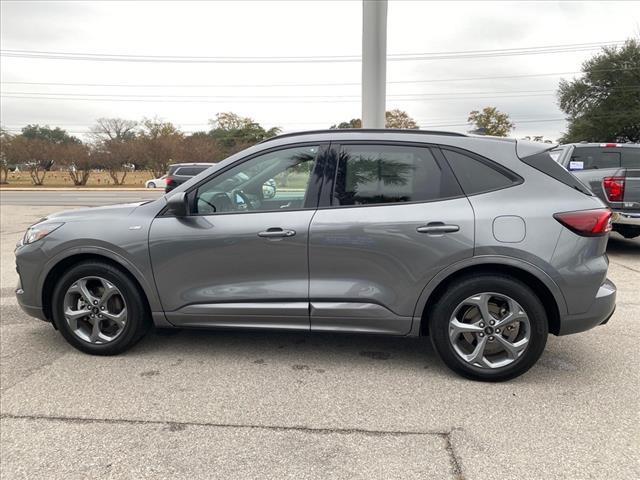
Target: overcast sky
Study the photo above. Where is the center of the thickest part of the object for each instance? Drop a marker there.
(286, 29)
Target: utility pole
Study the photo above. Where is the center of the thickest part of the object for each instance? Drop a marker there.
(374, 63)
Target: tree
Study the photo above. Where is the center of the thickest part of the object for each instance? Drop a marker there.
(116, 156)
(77, 158)
(36, 153)
(5, 141)
(40, 145)
(353, 123)
(114, 145)
(55, 136)
(235, 133)
(158, 143)
(113, 129)
(199, 147)
(604, 104)
(395, 118)
(491, 121)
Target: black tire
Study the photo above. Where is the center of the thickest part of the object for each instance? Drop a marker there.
(151, 185)
(138, 320)
(441, 313)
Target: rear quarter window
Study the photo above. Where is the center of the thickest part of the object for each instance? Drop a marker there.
(545, 163)
(478, 175)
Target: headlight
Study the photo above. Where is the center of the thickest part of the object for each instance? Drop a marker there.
(39, 231)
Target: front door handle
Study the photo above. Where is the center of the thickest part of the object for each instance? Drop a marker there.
(276, 232)
(438, 227)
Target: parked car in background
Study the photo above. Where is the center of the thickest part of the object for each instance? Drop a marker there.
(485, 245)
(612, 172)
(181, 172)
(156, 182)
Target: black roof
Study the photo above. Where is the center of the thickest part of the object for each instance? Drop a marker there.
(194, 164)
(366, 130)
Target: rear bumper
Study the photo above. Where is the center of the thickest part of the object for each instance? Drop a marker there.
(626, 218)
(600, 312)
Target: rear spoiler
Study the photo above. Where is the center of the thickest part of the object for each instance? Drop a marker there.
(526, 148)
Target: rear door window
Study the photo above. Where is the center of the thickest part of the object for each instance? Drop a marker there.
(478, 175)
(384, 174)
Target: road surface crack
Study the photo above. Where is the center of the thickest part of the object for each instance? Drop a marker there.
(177, 426)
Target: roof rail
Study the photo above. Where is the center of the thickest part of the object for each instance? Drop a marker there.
(366, 130)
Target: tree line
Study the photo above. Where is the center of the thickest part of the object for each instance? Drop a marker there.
(120, 146)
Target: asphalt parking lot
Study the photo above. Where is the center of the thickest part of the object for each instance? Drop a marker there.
(246, 405)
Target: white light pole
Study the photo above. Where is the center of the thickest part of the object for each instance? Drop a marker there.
(374, 62)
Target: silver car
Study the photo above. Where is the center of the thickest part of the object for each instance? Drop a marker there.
(485, 245)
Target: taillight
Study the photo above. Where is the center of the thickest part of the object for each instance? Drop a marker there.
(587, 223)
(169, 181)
(614, 188)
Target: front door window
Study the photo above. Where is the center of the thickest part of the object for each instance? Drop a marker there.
(271, 182)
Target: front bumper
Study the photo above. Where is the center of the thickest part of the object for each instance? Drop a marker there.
(29, 261)
(626, 218)
(600, 312)
(32, 311)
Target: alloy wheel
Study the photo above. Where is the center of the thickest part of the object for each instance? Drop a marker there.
(95, 310)
(489, 330)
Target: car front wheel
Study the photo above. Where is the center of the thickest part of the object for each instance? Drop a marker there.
(489, 327)
(151, 185)
(99, 309)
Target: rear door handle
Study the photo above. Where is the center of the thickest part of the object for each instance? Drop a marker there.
(438, 227)
(276, 232)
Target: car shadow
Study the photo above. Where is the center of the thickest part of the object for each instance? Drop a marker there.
(302, 350)
(322, 352)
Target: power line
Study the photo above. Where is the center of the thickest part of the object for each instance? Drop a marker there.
(263, 85)
(325, 96)
(266, 100)
(463, 54)
(414, 94)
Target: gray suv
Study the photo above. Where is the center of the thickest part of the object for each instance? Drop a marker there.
(485, 245)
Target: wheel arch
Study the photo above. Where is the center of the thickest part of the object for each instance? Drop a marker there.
(543, 286)
(62, 263)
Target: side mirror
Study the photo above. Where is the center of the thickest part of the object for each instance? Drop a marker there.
(177, 204)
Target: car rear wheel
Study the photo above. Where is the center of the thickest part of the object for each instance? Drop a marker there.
(99, 309)
(489, 327)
